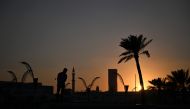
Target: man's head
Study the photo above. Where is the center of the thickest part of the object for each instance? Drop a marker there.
(65, 70)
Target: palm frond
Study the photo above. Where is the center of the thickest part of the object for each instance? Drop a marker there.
(122, 59)
(140, 39)
(125, 53)
(145, 44)
(171, 78)
(146, 53)
(125, 43)
(129, 58)
(143, 40)
(126, 58)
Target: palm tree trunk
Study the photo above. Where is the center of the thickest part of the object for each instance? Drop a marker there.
(140, 78)
(139, 72)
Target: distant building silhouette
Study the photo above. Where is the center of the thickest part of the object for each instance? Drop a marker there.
(112, 80)
(20, 89)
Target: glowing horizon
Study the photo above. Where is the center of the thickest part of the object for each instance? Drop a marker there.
(127, 71)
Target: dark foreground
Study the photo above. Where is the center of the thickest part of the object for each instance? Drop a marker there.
(63, 105)
(95, 101)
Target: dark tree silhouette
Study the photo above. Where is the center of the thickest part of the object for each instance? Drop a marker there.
(180, 79)
(157, 84)
(134, 46)
(14, 78)
(88, 87)
(28, 71)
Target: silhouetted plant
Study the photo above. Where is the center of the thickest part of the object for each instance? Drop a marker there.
(157, 84)
(14, 78)
(28, 71)
(134, 46)
(88, 87)
(180, 79)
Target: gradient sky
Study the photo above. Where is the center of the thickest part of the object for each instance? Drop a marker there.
(52, 34)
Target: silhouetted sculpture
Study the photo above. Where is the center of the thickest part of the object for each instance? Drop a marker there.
(13, 76)
(88, 88)
(61, 79)
(28, 71)
(122, 81)
(97, 89)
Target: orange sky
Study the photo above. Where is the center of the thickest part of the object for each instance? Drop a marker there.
(153, 67)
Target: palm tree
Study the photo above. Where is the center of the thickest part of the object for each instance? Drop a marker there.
(157, 84)
(88, 87)
(180, 79)
(13, 76)
(134, 46)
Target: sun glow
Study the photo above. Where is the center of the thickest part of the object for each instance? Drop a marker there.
(139, 88)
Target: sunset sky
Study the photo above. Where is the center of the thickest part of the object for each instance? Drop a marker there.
(52, 34)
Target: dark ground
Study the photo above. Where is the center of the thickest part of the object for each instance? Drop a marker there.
(94, 101)
(89, 106)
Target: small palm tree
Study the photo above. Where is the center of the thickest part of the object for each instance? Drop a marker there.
(13, 76)
(28, 71)
(157, 84)
(134, 46)
(180, 78)
(88, 87)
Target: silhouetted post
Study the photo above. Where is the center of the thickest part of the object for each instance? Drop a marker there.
(135, 83)
(97, 89)
(73, 80)
(35, 82)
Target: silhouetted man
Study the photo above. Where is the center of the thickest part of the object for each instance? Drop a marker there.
(61, 79)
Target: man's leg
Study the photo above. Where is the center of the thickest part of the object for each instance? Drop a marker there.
(62, 91)
(58, 90)
(57, 93)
